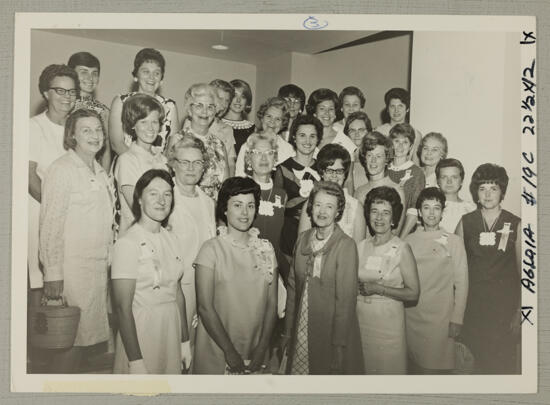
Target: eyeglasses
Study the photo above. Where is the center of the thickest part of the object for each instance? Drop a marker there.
(186, 164)
(293, 101)
(360, 131)
(267, 153)
(203, 107)
(338, 172)
(61, 91)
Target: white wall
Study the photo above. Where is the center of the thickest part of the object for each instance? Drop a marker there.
(270, 76)
(117, 64)
(465, 85)
(374, 68)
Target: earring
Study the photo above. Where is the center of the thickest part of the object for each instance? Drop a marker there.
(135, 79)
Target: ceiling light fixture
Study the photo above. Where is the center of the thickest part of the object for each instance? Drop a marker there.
(220, 46)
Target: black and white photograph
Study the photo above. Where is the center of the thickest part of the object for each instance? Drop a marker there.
(215, 199)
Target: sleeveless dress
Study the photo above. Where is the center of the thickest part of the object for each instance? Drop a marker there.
(494, 292)
(382, 319)
(241, 130)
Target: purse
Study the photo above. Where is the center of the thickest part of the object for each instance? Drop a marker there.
(53, 326)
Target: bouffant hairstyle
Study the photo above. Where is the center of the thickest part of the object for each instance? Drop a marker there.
(370, 142)
(187, 141)
(397, 93)
(142, 183)
(291, 90)
(239, 84)
(231, 187)
(198, 90)
(352, 91)
(84, 59)
(488, 173)
(434, 135)
(449, 162)
(225, 86)
(331, 189)
(405, 130)
(305, 120)
(69, 142)
(329, 154)
(384, 194)
(53, 71)
(253, 139)
(276, 102)
(149, 55)
(357, 115)
(138, 107)
(320, 95)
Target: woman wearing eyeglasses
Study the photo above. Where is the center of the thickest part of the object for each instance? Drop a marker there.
(296, 101)
(59, 86)
(200, 109)
(149, 68)
(192, 219)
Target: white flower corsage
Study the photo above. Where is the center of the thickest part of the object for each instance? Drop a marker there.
(406, 177)
(305, 187)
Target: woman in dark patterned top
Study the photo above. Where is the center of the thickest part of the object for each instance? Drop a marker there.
(238, 111)
(149, 67)
(491, 327)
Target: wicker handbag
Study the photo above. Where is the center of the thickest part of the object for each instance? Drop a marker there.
(53, 326)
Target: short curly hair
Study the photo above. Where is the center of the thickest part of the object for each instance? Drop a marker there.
(51, 72)
(231, 187)
(305, 120)
(187, 141)
(430, 193)
(149, 55)
(449, 162)
(397, 93)
(488, 173)
(329, 154)
(434, 135)
(84, 59)
(370, 142)
(197, 90)
(138, 107)
(225, 86)
(405, 130)
(357, 115)
(320, 95)
(69, 142)
(145, 179)
(330, 188)
(387, 194)
(276, 102)
(254, 138)
(352, 91)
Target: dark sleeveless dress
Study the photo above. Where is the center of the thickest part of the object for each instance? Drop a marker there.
(493, 296)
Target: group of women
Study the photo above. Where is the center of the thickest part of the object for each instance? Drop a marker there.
(304, 243)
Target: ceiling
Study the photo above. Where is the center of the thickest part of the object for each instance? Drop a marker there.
(246, 46)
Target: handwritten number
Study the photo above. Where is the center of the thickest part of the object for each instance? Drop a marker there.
(312, 23)
(528, 38)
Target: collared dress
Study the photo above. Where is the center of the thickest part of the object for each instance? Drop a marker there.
(76, 234)
(381, 318)
(154, 261)
(443, 275)
(45, 146)
(192, 220)
(129, 167)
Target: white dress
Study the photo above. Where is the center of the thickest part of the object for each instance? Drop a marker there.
(453, 212)
(154, 261)
(382, 319)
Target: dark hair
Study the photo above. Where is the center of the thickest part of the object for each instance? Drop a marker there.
(388, 194)
(53, 71)
(398, 93)
(329, 154)
(225, 86)
(69, 142)
(136, 108)
(357, 115)
(435, 135)
(405, 130)
(149, 55)
(247, 92)
(304, 120)
(351, 91)
(488, 173)
(289, 90)
(276, 102)
(430, 193)
(370, 142)
(83, 59)
(331, 189)
(145, 179)
(320, 95)
(449, 162)
(231, 187)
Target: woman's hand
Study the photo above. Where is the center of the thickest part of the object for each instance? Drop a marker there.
(368, 288)
(454, 329)
(186, 355)
(53, 289)
(337, 361)
(235, 362)
(137, 367)
(257, 359)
